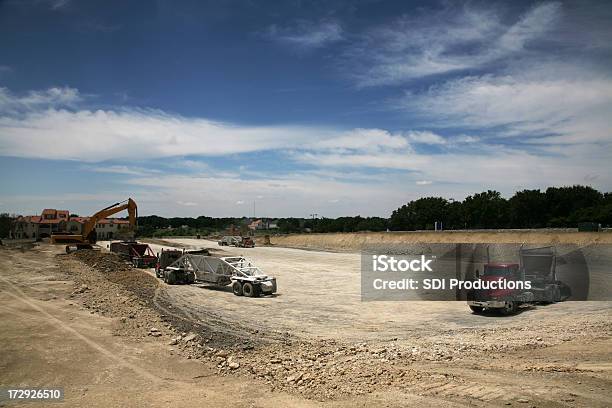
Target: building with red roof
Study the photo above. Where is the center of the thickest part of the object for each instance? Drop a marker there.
(53, 221)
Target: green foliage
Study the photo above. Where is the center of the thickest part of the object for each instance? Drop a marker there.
(348, 224)
(556, 207)
(5, 225)
(420, 214)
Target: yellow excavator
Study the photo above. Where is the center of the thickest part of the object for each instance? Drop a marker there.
(88, 235)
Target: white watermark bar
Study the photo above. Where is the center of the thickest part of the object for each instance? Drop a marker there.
(486, 272)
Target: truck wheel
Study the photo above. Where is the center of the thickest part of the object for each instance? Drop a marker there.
(477, 309)
(67, 249)
(248, 289)
(171, 278)
(556, 294)
(509, 308)
(191, 278)
(237, 288)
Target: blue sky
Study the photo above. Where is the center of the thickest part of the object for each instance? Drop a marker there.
(338, 108)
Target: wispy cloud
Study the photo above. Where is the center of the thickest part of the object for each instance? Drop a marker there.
(123, 169)
(37, 100)
(455, 38)
(306, 35)
(35, 125)
(542, 110)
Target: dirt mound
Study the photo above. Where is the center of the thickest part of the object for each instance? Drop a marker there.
(352, 242)
(112, 287)
(118, 271)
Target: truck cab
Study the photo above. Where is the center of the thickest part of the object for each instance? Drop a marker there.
(537, 267)
(504, 300)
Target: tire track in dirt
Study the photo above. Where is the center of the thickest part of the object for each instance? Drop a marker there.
(20, 296)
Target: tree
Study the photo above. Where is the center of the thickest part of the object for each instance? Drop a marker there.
(563, 202)
(5, 225)
(528, 209)
(420, 214)
(486, 210)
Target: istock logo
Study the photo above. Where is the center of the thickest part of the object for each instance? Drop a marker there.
(386, 263)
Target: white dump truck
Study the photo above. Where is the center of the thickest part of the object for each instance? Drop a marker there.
(246, 278)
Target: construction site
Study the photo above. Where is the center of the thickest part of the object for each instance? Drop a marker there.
(282, 321)
(306, 203)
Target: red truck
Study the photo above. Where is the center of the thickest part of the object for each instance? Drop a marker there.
(139, 254)
(507, 286)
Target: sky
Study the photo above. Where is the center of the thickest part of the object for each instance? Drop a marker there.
(278, 109)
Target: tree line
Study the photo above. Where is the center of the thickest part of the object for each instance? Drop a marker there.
(560, 207)
(555, 207)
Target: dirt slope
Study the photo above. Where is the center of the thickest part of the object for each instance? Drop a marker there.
(356, 241)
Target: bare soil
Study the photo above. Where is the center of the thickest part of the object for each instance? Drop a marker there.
(352, 242)
(115, 336)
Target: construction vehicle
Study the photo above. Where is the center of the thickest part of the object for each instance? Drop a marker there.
(237, 241)
(246, 278)
(534, 278)
(88, 236)
(164, 259)
(230, 240)
(168, 256)
(246, 242)
(140, 255)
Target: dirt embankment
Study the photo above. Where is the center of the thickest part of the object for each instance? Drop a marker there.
(353, 242)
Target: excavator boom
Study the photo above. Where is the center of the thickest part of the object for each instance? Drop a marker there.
(88, 233)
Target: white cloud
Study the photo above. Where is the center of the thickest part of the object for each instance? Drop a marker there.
(36, 126)
(532, 24)
(425, 137)
(428, 43)
(122, 169)
(307, 35)
(361, 139)
(290, 195)
(572, 110)
(343, 168)
(12, 104)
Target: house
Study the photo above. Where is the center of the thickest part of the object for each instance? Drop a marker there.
(114, 228)
(41, 226)
(25, 227)
(263, 224)
(256, 225)
(108, 228)
(53, 221)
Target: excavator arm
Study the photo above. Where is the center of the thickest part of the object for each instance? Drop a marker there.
(88, 234)
(90, 224)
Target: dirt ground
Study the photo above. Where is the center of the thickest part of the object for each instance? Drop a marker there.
(115, 336)
(355, 241)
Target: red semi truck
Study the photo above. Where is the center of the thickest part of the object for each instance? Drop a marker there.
(534, 280)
